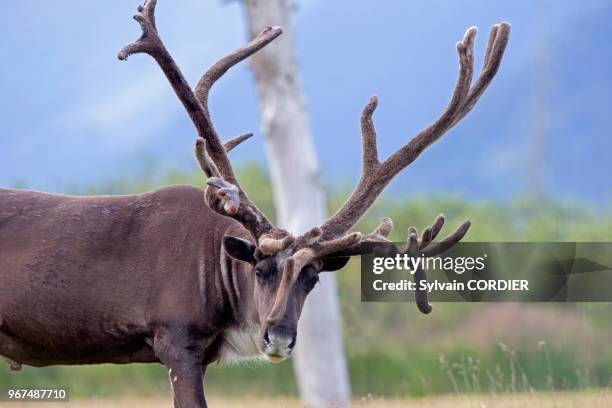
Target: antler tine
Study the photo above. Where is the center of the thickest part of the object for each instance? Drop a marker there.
(498, 40)
(369, 145)
(384, 228)
(220, 67)
(490, 43)
(419, 275)
(207, 166)
(379, 235)
(375, 175)
(235, 141)
(448, 242)
(336, 245)
(425, 237)
(437, 225)
(431, 232)
(289, 276)
(272, 243)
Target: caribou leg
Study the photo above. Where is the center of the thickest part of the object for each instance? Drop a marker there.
(183, 359)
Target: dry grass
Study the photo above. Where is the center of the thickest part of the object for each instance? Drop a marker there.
(592, 399)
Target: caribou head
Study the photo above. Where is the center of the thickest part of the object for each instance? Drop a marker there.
(285, 266)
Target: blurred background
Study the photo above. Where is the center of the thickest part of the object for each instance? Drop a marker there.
(531, 163)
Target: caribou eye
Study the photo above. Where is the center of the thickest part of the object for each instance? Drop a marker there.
(262, 274)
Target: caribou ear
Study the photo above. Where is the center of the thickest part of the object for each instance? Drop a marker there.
(334, 263)
(239, 248)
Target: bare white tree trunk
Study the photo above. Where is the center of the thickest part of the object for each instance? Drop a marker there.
(319, 361)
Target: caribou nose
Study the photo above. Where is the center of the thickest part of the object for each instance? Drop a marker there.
(279, 340)
(278, 343)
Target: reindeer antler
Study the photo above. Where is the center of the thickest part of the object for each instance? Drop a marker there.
(230, 198)
(415, 246)
(376, 175)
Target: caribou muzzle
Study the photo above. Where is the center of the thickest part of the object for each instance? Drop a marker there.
(278, 341)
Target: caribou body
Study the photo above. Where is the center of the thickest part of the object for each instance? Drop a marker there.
(107, 278)
(186, 277)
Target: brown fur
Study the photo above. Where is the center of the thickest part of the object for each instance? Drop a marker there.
(90, 279)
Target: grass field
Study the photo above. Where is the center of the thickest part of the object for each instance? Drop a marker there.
(591, 398)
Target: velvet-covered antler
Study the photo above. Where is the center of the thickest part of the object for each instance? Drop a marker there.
(231, 199)
(416, 245)
(376, 175)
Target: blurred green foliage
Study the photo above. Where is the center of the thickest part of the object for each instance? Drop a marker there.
(393, 350)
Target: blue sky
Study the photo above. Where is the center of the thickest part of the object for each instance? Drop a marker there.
(73, 114)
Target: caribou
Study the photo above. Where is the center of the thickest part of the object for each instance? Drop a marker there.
(186, 277)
